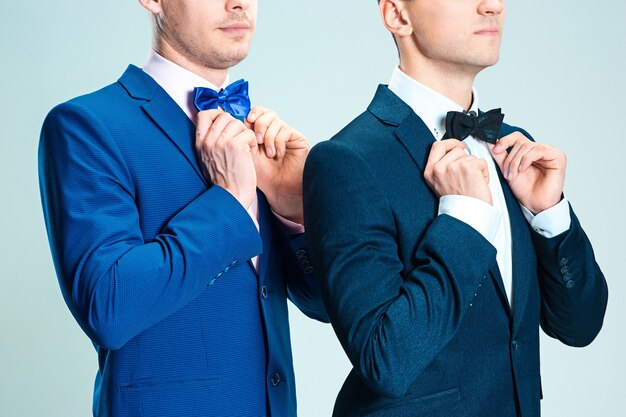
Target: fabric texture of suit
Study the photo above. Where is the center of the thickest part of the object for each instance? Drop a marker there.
(416, 299)
(153, 262)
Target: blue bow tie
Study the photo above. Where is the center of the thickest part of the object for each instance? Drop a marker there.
(233, 99)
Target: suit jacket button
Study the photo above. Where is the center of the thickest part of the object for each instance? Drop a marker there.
(564, 261)
(570, 284)
(564, 270)
(264, 291)
(567, 277)
(275, 379)
(515, 345)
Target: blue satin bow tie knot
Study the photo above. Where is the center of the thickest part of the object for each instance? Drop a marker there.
(234, 99)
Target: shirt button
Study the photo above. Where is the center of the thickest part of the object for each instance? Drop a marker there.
(264, 291)
(515, 345)
(570, 284)
(275, 379)
(538, 229)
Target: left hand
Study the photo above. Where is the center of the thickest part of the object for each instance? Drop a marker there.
(535, 172)
(279, 163)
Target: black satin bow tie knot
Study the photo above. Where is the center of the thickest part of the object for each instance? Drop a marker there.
(485, 127)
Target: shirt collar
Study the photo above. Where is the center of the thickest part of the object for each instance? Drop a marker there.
(177, 81)
(431, 106)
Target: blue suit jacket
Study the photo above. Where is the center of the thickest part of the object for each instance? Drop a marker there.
(416, 299)
(153, 262)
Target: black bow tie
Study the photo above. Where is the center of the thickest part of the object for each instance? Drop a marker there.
(485, 127)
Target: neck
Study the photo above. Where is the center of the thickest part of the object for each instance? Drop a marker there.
(216, 76)
(448, 80)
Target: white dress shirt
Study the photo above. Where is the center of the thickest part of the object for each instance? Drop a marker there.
(491, 221)
(179, 84)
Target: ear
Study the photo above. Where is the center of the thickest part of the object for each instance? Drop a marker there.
(153, 6)
(395, 17)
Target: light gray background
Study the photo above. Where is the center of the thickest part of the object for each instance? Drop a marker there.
(317, 63)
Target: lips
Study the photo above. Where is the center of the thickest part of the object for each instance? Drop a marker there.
(488, 31)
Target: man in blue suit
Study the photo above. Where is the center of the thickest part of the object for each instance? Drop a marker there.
(439, 260)
(176, 235)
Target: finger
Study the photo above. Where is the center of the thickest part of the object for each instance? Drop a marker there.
(282, 138)
(441, 148)
(217, 132)
(255, 113)
(546, 156)
(271, 138)
(484, 168)
(507, 157)
(498, 157)
(454, 155)
(231, 130)
(515, 159)
(248, 138)
(296, 140)
(204, 120)
(509, 141)
(262, 123)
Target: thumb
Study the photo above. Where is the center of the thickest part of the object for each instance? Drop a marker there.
(497, 157)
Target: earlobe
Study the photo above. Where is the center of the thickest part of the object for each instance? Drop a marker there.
(395, 18)
(153, 6)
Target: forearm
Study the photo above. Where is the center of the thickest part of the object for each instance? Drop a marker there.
(573, 289)
(119, 288)
(302, 287)
(392, 316)
(116, 281)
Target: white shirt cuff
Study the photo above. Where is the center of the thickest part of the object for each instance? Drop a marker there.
(292, 228)
(551, 222)
(478, 214)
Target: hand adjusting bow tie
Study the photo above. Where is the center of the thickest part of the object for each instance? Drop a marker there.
(233, 99)
(485, 127)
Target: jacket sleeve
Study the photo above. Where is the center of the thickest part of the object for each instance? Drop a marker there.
(391, 323)
(574, 292)
(302, 287)
(115, 283)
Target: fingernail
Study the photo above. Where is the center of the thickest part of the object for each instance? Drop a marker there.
(270, 151)
(252, 116)
(259, 137)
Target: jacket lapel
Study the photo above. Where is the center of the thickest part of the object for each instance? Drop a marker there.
(411, 131)
(522, 253)
(265, 226)
(164, 112)
(417, 139)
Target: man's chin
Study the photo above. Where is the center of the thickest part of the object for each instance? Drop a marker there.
(228, 59)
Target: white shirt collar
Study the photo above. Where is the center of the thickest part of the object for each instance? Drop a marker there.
(431, 106)
(177, 81)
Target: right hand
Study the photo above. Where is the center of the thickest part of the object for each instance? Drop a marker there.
(451, 171)
(226, 149)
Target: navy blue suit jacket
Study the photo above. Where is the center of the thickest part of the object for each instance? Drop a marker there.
(153, 262)
(416, 299)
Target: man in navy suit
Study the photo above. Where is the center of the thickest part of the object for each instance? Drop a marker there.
(441, 237)
(177, 235)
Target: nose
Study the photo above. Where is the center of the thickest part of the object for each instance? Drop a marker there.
(491, 7)
(237, 5)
